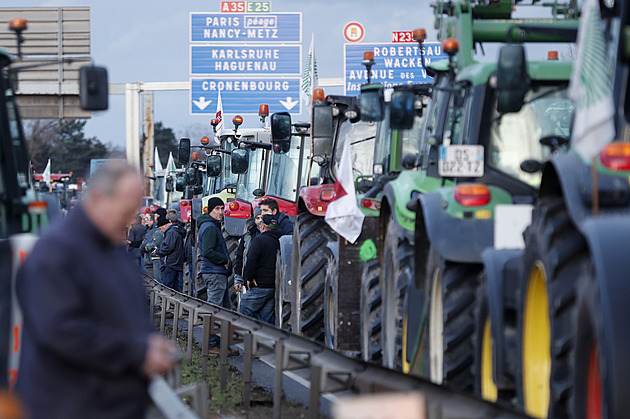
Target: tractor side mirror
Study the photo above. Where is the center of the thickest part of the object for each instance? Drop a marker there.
(184, 151)
(180, 182)
(512, 79)
(322, 130)
(402, 110)
(372, 102)
(281, 132)
(240, 161)
(169, 184)
(193, 177)
(213, 165)
(93, 88)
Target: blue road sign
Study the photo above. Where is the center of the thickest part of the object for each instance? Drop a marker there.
(395, 64)
(243, 96)
(239, 27)
(245, 60)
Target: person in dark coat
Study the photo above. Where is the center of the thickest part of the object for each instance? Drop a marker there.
(155, 243)
(270, 206)
(88, 348)
(171, 253)
(260, 272)
(243, 247)
(134, 240)
(215, 261)
(148, 238)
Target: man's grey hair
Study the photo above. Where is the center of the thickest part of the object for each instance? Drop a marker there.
(172, 217)
(105, 179)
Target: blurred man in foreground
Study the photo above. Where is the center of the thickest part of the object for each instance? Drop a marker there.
(88, 347)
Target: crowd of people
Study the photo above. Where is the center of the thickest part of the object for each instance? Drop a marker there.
(160, 244)
(87, 329)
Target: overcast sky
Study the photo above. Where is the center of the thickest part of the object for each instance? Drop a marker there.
(142, 40)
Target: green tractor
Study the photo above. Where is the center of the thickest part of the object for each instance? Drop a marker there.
(484, 149)
(555, 316)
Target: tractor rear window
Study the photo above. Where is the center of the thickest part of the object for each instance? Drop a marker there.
(515, 137)
(361, 136)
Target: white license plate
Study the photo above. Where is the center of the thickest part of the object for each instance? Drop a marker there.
(461, 161)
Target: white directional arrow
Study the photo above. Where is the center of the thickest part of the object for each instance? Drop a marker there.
(202, 103)
(289, 103)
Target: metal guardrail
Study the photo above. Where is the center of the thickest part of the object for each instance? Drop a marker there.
(330, 371)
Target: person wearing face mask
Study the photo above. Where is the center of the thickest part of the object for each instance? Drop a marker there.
(243, 246)
(259, 272)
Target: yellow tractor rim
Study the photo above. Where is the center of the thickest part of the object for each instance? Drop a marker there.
(536, 344)
(406, 365)
(488, 388)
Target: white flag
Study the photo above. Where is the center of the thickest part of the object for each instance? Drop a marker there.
(46, 174)
(590, 87)
(219, 116)
(309, 76)
(158, 163)
(170, 165)
(343, 214)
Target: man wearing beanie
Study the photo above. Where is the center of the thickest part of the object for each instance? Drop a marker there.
(243, 246)
(215, 261)
(260, 272)
(171, 252)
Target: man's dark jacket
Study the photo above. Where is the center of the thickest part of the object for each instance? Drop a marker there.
(285, 225)
(214, 252)
(171, 251)
(261, 259)
(136, 234)
(86, 325)
(240, 251)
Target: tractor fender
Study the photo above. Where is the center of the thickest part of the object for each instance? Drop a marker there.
(452, 238)
(286, 284)
(498, 267)
(311, 197)
(566, 175)
(235, 226)
(389, 196)
(609, 248)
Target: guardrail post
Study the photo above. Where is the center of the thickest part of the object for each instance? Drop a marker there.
(175, 319)
(204, 344)
(152, 305)
(277, 390)
(225, 344)
(191, 327)
(247, 370)
(316, 383)
(163, 316)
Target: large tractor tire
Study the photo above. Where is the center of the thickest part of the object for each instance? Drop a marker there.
(412, 331)
(282, 307)
(331, 303)
(485, 386)
(396, 274)
(232, 246)
(554, 257)
(452, 291)
(588, 366)
(310, 254)
(371, 337)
